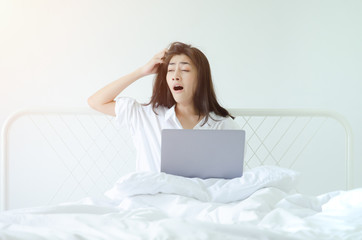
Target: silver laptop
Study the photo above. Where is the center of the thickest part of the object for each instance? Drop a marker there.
(203, 153)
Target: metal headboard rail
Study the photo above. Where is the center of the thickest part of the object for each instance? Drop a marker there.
(236, 112)
(5, 140)
(311, 113)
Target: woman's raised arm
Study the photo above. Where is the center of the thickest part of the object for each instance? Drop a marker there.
(103, 99)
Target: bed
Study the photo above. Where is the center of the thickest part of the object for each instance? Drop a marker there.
(69, 174)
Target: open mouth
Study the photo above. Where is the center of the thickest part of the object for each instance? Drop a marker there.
(178, 88)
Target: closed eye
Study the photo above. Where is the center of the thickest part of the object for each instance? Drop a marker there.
(171, 70)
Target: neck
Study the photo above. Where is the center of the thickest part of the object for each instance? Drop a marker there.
(187, 115)
(185, 110)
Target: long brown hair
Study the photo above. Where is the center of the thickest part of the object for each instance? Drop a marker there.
(204, 99)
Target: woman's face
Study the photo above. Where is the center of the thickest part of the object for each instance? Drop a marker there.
(182, 78)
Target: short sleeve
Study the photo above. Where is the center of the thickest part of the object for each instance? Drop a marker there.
(127, 113)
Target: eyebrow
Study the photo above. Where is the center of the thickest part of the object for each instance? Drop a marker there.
(171, 63)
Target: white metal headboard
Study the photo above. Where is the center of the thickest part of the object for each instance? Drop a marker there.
(57, 155)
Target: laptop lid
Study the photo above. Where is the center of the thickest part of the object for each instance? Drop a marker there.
(203, 153)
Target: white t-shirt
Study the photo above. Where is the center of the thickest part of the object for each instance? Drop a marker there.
(145, 126)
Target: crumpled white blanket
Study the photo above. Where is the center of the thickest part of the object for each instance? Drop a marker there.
(161, 206)
(206, 190)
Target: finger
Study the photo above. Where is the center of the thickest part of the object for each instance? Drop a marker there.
(160, 60)
(156, 61)
(162, 53)
(159, 55)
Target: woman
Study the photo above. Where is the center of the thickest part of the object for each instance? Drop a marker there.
(183, 98)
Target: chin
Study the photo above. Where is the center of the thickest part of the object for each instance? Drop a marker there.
(180, 100)
(177, 98)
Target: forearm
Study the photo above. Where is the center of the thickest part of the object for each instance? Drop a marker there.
(108, 93)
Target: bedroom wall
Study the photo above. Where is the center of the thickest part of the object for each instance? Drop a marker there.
(263, 54)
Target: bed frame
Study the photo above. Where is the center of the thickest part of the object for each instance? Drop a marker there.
(51, 156)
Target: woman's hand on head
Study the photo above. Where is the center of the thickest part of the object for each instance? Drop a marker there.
(152, 66)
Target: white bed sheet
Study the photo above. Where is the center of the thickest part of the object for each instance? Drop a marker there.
(146, 208)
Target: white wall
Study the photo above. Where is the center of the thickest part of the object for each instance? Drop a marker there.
(263, 54)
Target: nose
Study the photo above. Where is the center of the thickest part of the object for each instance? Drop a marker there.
(176, 75)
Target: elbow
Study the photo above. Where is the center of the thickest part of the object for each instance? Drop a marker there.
(92, 103)
(106, 108)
